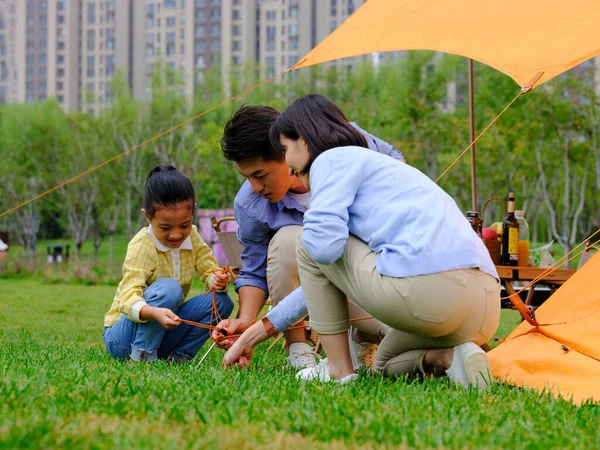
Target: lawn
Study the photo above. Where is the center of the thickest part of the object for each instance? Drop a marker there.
(60, 389)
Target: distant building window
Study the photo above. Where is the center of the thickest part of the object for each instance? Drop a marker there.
(170, 22)
(170, 3)
(30, 7)
(61, 45)
(61, 98)
(236, 60)
(236, 14)
(271, 31)
(200, 15)
(61, 6)
(215, 14)
(60, 59)
(200, 32)
(60, 72)
(293, 30)
(293, 43)
(215, 29)
(215, 45)
(200, 47)
(271, 15)
(237, 30)
(292, 59)
(236, 45)
(200, 3)
(170, 37)
(90, 72)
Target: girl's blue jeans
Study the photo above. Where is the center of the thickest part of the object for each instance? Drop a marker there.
(150, 341)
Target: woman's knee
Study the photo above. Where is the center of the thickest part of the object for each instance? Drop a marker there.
(164, 293)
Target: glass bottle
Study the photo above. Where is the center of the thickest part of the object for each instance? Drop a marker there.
(510, 235)
(523, 259)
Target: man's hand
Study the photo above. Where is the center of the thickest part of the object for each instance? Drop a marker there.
(220, 280)
(167, 318)
(231, 326)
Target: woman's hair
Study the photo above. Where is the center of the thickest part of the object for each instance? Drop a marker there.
(318, 121)
(166, 187)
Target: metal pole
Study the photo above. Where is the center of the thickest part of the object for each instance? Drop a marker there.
(472, 121)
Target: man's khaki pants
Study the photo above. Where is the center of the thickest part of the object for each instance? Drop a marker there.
(429, 311)
(283, 278)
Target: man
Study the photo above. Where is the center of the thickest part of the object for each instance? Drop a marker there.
(269, 208)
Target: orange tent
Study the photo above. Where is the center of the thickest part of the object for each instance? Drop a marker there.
(523, 39)
(563, 356)
(532, 42)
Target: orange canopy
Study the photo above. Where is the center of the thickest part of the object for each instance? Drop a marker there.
(564, 356)
(520, 38)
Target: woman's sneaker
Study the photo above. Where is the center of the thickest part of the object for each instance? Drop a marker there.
(470, 366)
(302, 355)
(321, 373)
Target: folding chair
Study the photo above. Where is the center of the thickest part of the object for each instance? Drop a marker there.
(230, 243)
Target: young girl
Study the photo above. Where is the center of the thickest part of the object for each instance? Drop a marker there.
(143, 322)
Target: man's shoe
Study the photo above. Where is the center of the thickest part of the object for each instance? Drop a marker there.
(470, 366)
(362, 353)
(302, 355)
(321, 373)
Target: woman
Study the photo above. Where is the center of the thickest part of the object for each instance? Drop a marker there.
(382, 233)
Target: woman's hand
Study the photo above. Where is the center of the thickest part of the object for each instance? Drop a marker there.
(238, 354)
(167, 318)
(220, 280)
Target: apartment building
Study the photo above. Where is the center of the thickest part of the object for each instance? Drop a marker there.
(71, 49)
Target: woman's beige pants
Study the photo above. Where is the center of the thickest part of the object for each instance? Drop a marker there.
(428, 311)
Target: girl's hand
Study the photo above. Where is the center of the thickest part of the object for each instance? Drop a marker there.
(220, 280)
(167, 318)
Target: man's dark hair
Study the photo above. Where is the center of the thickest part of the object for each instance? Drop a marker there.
(246, 134)
(166, 187)
(319, 122)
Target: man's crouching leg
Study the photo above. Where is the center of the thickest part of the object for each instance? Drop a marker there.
(282, 279)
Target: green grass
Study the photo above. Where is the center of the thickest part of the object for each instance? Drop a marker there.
(60, 389)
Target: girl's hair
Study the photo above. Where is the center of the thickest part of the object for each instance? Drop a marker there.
(318, 121)
(166, 187)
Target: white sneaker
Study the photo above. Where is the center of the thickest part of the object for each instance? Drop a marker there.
(302, 355)
(470, 366)
(321, 373)
(362, 353)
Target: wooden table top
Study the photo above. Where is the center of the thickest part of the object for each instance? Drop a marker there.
(530, 273)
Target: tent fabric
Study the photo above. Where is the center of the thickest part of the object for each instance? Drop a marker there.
(562, 356)
(519, 38)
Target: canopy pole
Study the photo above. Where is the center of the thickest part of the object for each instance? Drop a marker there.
(472, 127)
